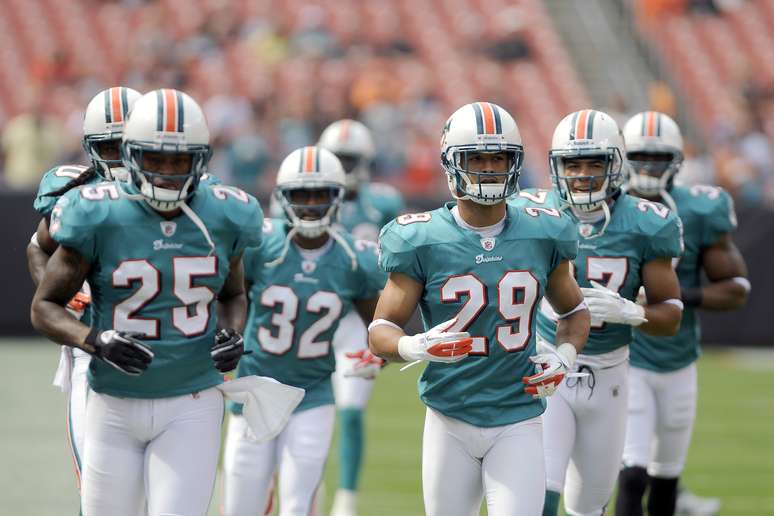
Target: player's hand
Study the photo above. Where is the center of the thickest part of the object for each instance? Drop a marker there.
(436, 344)
(78, 304)
(608, 306)
(228, 349)
(362, 364)
(552, 365)
(120, 349)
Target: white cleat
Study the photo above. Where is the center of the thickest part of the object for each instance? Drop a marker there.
(690, 504)
(344, 503)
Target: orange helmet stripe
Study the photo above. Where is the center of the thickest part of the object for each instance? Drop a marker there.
(344, 132)
(309, 159)
(650, 123)
(115, 105)
(580, 126)
(170, 116)
(489, 120)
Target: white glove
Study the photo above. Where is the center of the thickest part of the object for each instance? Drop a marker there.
(436, 344)
(362, 364)
(608, 306)
(552, 365)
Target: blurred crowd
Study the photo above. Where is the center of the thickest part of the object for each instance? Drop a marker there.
(270, 82)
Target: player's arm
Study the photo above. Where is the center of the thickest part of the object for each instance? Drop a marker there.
(232, 300)
(366, 308)
(566, 299)
(662, 289)
(396, 305)
(39, 250)
(65, 273)
(726, 270)
(387, 339)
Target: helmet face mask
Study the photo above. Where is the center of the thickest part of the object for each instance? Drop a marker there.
(654, 147)
(483, 186)
(591, 137)
(310, 189)
(480, 129)
(352, 143)
(311, 209)
(166, 148)
(103, 127)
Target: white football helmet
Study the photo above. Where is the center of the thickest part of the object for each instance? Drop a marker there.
(481, 127)
(310, 168)
(587, 134)
(104, 122)
(654, 148)
(352, 143)
(166, 121)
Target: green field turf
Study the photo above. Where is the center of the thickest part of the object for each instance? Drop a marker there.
(732, 456)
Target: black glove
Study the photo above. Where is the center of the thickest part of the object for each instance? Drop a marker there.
(228, 348)
(120, 349)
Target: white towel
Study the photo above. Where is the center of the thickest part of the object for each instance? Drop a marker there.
(267, 403)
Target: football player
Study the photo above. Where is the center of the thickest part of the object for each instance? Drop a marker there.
(625, 242)
(302, 281)
(663, 387)
(158, 252)
(477, 269)
(103, 126)
(366, 208)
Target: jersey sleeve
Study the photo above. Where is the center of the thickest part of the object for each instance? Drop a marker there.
(720, 220)
(372, 277)
(667, 241)
(566, 246)
(251, 260)
(75, 222)
(53, 180)
(248, 224)
(397, 255)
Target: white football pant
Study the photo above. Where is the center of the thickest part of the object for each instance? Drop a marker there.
(662, 409)
(165, 449)
(584, 427)
(462, 463)
(299, 451)
(351, 335)
(76, 364)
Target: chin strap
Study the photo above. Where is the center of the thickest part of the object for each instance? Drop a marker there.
(281, 258)
(183, 206)
(199, 224)
(331, 232)
(606, 212)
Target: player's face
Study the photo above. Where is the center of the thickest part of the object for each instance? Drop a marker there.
(589, 174)
(493, 162)
(650, 163)
(167, 164)
(109, 150)
(311, 203)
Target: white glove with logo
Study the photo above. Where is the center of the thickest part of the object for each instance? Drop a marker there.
(362, 364)
(436, 344)
(608, 306)
(553, 365)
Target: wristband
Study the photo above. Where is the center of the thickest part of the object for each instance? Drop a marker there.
(692, 296)
(383, 322)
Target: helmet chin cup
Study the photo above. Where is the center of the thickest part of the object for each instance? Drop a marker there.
(311, 228)
(163, 199)
(645, 184)
(119, 174)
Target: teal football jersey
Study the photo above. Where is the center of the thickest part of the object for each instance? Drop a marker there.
(492, 286)
(639, 231)
(707, 213)
(157, 277)
(375, 205)
(296, 306)
(210, 179)
(53, 180)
